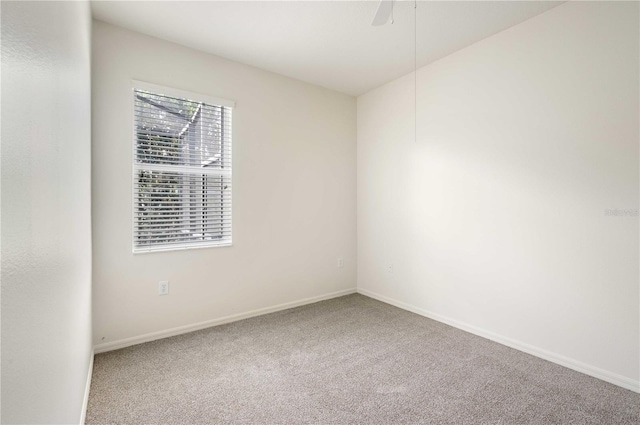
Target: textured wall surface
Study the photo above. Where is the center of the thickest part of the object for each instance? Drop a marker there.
(496, 218)
(294, 192)
(46, 210)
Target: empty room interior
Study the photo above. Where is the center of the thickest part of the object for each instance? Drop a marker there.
(320, 212)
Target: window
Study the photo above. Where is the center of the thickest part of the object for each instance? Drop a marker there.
(181, 169)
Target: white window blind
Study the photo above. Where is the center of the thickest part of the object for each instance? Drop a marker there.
(182, 171)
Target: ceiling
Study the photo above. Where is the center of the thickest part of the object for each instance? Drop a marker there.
(327, 43)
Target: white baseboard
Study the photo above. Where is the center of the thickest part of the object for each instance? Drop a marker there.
(122, 343)
(576, 365)
(87, 388)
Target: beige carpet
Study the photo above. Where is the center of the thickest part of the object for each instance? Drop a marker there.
(350, 360)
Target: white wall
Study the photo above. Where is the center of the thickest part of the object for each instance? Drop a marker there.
(46, 211)
(294, 200)
(495, 219)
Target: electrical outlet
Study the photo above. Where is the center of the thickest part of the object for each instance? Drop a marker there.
(163, 287)
(390, 268)
(340, 262)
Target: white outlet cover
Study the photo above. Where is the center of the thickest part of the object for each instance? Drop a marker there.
(163, 287)
(340, 262)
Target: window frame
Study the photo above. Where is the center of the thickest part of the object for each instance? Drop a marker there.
(181, 94)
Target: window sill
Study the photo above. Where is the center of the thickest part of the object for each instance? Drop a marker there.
(180, 248)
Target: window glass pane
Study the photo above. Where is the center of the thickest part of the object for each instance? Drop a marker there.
(179, 132)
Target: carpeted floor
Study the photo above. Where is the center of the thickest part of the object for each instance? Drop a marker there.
(350, 360)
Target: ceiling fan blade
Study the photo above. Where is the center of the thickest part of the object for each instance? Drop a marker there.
(384, 12)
